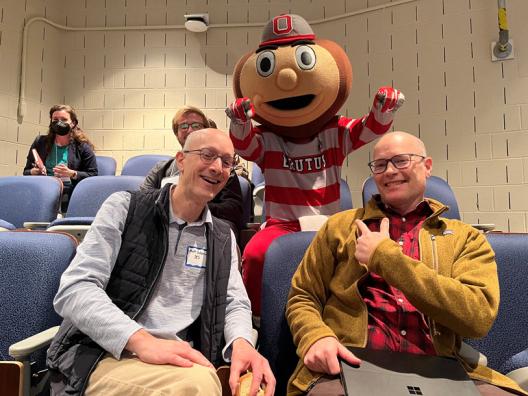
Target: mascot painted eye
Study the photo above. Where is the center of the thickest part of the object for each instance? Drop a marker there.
(305, 57)
(265, 63)
(292, 86)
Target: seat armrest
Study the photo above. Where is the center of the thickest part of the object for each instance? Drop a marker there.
(36, 225)
(484, 227)
(520, 376)
(77, 231)
(22, 349)
(83, 220)
(471, 355)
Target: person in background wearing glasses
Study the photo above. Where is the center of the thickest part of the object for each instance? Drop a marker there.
(394, 275)
(153, 301)
(227, 205)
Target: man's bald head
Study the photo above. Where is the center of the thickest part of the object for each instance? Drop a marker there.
(199, 138)
(399, 139)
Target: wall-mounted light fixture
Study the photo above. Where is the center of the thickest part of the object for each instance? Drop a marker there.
(196, 22)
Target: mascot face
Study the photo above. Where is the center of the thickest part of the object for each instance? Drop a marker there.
(297, 86)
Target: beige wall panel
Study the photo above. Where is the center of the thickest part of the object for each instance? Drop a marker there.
(134, 79)
(134, 58)
(216, 59)
(135, 16)
(113, 140)
(483, 148)
(195, 97)
(155, 58)
(517, 144)
(516, 91)
(154, 141)
(96, 137)
(171, 144)
(116, 18)
(258, 13)
(114, 40)
(95, 18)
(134, 99)
(154, 120)
(449, 171)
(175, 38)
(91, 120)
(154, 100)
(155, 18)
(195, 78)
(512, 118)
(94, 100)
(133, 120)
(174, 100)
(216, 99)
(219, 117)
(461, 148)
(175, 57)
(118, 119)
(194, 58)
(175, 78)
(7, 153)
(134, 141)
(154, 79)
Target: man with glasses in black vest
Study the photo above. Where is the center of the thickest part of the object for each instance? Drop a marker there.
(153, 301)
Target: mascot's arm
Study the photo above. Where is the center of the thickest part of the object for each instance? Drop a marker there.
(377, 122)
(248, 144)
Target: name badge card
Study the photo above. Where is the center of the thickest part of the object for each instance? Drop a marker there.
(196, 257)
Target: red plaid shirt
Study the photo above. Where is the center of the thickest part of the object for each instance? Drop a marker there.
(394, 323)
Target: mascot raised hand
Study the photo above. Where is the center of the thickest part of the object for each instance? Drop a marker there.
(292, 86)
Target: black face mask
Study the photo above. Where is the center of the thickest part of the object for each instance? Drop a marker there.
(61, 128)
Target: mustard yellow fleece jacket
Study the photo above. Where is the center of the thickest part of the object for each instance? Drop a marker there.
(454, 284)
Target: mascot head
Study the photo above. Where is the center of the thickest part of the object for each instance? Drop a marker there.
(295, 81)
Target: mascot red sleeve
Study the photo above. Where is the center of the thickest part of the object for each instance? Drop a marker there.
(292, 86)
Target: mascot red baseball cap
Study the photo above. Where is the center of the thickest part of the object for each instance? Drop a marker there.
(286, 28)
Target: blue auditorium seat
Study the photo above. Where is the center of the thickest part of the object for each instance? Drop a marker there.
(506, 345)
(32, 263)
(436, 188)
(140, 165)
(106, 166)
(88, 197)
(29, 199)
(276, 343)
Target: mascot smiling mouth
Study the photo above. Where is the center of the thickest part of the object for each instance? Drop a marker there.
(293, 103)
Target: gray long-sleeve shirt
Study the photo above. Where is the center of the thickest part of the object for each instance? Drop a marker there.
(178, 295)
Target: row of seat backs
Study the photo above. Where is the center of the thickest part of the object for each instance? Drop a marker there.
(505, 345)
(138, 165)
(37, 198)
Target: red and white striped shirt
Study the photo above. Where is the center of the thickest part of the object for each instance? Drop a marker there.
(303, 179)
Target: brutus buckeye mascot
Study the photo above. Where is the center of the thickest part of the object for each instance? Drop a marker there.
(293, 85)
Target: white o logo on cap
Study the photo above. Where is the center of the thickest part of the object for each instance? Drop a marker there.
(282, 24)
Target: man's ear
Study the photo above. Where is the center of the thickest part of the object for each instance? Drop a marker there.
(179, 160)
(428, 162)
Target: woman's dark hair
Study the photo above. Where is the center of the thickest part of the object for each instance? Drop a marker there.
(76, 134)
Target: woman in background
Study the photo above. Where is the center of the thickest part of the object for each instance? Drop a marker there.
(65, 152)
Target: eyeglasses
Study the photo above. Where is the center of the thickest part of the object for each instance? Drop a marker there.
(400, 161)
(209, 156)
(194, 125)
